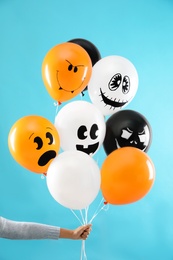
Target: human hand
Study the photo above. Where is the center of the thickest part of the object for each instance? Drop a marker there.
(82, 232)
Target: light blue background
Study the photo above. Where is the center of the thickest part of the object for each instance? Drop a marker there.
(140, 30)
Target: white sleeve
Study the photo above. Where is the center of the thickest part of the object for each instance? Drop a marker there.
(27, 230)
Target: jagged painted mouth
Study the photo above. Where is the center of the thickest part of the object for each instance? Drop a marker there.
(61, 88)
(89, 150)
(132, 144)
(113, 103)
(46, 157)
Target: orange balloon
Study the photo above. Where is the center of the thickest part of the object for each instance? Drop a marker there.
(34, 142)
(127, 175)
(66, 71)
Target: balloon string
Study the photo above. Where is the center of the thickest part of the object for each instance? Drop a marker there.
(97, 207)
(86, 214)
(98, 210)
(83, 253)
(83, 220)
(57, 107)
(76, 216)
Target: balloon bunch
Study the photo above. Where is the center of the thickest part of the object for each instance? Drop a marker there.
(73, 177)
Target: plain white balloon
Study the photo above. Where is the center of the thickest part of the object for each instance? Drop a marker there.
(113, 84)
(73, 179)
(81, 126)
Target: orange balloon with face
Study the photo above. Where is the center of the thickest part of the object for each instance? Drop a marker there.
(66, 71)
(34, 142)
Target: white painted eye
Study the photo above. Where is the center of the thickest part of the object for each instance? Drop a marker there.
(142, 138)
(126, 133)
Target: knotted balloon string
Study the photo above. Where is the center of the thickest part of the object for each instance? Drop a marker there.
(99, 209)
(56, 104)
(43, 176)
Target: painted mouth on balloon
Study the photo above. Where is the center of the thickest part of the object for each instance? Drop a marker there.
(132, 144)
(89, 150)
(71, 91)
(113, 103)
(46, 157)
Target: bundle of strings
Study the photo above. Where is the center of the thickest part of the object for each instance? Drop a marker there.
(83, 219)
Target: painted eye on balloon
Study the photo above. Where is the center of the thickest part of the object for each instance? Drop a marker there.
(115, 82)
(39, 142)
(142, 132)
(142, 136)
(70, 67)
(126, 133)
(82, 132)
(75, 69)
(126, 84)
(50, 137)
(93, 131)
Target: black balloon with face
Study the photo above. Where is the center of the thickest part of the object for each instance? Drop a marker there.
(127, 128)
(90, 48)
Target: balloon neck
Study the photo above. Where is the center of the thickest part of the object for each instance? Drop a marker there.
(59, 103)
(105, 202)
(44, 173)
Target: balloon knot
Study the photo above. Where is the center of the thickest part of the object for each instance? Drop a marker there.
(59, 103)
(105, 202)
(44, 173)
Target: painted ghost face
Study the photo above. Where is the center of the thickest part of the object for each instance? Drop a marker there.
(113, 84)
(34, 143)
(66, 70)
(81, 126)
(127, 128)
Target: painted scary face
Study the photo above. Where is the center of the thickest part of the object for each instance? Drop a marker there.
(81, 126)
(127, 128)
(34, 143)
(66, 70)
(113, 84)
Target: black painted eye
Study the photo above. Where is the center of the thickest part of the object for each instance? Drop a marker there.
(115, 82)
(39, 142)
(93, 131)
(70, 67)
(126, 84)
(82, 131)
(50, 137)
(75, 69)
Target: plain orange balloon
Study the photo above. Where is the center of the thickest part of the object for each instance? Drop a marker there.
(66, 71)
(127, 175)
(34, 142)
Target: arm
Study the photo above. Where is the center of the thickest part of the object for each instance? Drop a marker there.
(27, 230)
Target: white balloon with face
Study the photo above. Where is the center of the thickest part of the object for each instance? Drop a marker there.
(113, 84)
(81, 126)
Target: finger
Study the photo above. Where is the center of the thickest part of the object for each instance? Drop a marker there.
(86, 227)
(84, 237)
